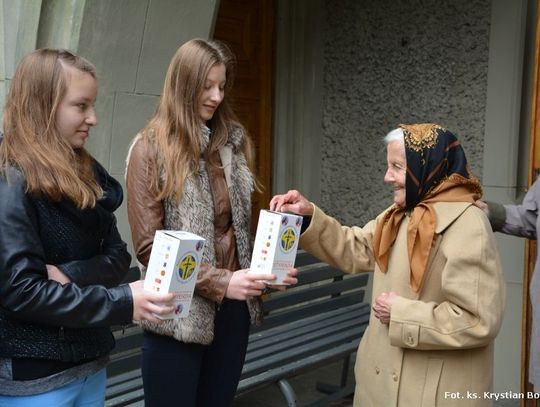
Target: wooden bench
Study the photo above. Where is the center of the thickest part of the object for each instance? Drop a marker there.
(319, 321)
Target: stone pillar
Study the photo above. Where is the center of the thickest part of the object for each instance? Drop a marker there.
(19, 21)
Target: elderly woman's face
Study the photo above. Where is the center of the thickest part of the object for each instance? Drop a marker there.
(397, 168)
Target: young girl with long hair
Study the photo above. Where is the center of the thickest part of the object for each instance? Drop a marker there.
(61, 256)
(191, 168)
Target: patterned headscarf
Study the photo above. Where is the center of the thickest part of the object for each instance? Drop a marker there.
(436, 172)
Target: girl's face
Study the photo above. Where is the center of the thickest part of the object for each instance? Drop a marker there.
(397, 170)
(75, 115)
(213, 92)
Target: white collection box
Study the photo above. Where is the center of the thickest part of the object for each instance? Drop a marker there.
(173, 267)
(276, 243)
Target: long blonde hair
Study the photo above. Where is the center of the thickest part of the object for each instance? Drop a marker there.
(32, 143)
(176, 126)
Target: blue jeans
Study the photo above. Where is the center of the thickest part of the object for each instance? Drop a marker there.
(86, 392)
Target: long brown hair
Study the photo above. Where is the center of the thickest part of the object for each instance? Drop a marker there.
(176, 126)
(32, 143)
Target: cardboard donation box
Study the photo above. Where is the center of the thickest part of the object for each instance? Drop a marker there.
(276, 243)
(173, 267)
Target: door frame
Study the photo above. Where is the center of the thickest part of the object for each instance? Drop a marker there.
(531, 246)
(298, 97)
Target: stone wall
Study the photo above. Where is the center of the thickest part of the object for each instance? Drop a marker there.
(389, 62)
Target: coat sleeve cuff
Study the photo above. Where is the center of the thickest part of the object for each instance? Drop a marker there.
(496, 215)
(314, 227)
(402, 334)
(124, 299)
(212, 283)
(221, 284)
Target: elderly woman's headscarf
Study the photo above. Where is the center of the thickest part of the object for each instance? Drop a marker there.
(436, 172)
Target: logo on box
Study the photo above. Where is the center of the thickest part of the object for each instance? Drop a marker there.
(276, 229)
(288, 239)
(186, 267)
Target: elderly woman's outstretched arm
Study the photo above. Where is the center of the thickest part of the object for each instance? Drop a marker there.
(347, 248)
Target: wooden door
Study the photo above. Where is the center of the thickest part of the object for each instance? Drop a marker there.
(534, 171)
(247, 26)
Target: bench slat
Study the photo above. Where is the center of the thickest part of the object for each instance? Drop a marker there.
(304, 311)
(123, 377)
(304, 258)
(304, 326)
(297, 366)
(134, 398)
(125, 387)
(317, 331)
(293, 296)
(287, 355)
(316, 273)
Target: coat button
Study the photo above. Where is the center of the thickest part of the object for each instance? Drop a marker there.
(377, 370)
(395, 376)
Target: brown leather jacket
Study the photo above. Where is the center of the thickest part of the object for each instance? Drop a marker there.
(146, 215)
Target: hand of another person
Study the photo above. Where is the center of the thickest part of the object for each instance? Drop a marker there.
(244, 285)
(147, 303)
(54, 273)
(383, 306)
(482, 205)
(290, 279)
(293, 201)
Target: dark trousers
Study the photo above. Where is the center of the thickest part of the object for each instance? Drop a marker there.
(188, 375)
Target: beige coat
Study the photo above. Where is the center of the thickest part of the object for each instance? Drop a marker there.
(438, 348)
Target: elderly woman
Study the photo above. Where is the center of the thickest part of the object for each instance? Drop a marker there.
(438, 291)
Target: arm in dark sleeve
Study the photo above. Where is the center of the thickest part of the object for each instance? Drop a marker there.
(496, 215)
(517, 220)
(25, 291)
(108, 268)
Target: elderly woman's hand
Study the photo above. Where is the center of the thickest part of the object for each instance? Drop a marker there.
(383, 306)
(293, 201)
(482, 205)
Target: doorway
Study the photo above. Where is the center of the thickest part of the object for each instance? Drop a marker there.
(247, 26)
